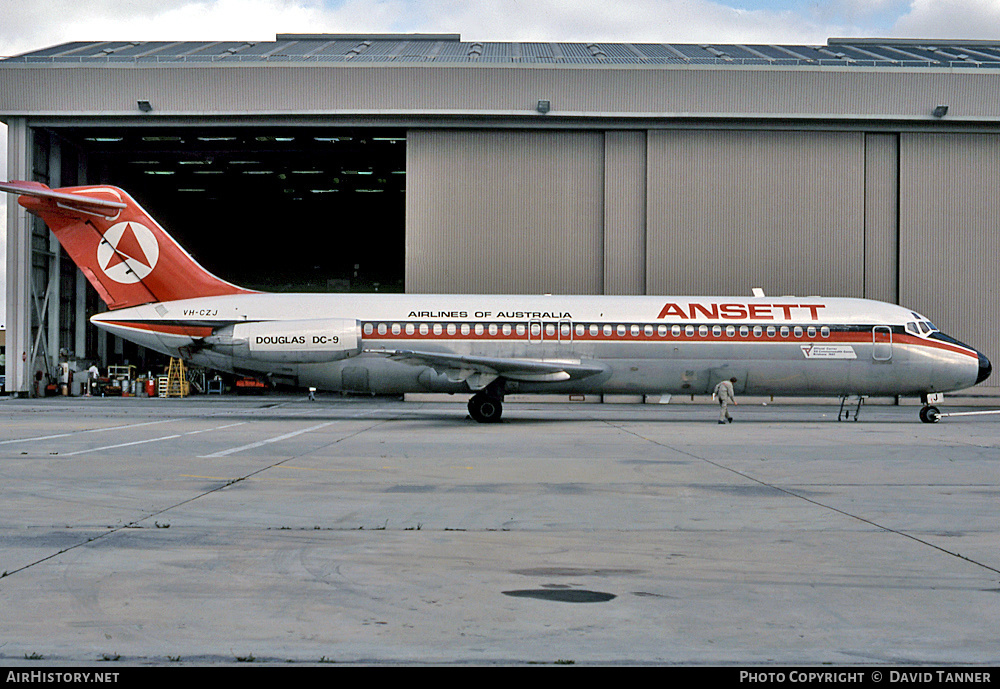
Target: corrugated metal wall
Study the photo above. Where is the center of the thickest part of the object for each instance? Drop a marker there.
(495, 89)
(625, 212)
(948, 239)
(881, 217)
(732, 210)
(505, 212)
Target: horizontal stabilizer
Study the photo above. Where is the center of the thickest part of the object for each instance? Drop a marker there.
(85, 204)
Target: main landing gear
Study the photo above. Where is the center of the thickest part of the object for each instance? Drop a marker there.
(486, 406)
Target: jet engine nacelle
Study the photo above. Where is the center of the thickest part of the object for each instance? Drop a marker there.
(310, 341)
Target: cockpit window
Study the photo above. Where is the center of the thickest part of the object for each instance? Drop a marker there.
(912, 328)
(925, 325)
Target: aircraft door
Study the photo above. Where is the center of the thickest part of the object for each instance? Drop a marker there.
(550, 331)
(565, 332)
(882, 343)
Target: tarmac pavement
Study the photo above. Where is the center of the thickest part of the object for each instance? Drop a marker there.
(220, 530)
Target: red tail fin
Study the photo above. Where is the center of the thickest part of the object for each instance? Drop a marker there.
(126, 255)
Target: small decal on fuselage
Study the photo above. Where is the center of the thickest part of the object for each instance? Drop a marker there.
(820, 351)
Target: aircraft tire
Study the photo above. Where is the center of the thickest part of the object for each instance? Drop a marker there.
(485, 409)
(930, 414)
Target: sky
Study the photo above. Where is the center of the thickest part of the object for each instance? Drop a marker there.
(32, 24)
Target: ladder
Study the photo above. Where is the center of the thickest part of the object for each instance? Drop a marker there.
(845, 407)
(177, 384)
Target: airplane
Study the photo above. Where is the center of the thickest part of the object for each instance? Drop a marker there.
(492, 345)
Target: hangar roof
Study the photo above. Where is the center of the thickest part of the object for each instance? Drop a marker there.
(449, 48)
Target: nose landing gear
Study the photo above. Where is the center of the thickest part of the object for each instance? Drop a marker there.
(930, 414)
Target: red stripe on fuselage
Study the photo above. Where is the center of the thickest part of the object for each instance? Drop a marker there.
(543, 337)
(865, 337)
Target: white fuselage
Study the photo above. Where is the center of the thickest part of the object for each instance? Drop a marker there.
(649, 345)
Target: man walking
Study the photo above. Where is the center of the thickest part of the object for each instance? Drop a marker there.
(725, 395)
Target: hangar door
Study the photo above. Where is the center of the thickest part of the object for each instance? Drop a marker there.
(506, 212)
(948, 240)
(732, 210)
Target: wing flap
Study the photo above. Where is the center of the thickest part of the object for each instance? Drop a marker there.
(479, 371)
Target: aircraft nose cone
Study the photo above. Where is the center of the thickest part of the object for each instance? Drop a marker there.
(985, 369)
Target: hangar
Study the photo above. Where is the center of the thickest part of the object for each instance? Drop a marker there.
(428, 163)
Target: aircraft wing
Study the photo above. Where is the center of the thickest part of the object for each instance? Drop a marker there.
(480, 371)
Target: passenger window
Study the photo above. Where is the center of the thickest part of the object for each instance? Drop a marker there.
(594, 330)
(744, 331)
(396, 329)
(811, 331)
(662, 331)
(703, 330)
(634, 330)
(424, 329)
(689, 330)
(621, 331)
(730, 331)
(607, 331)
(438, 329)
(479, 328)
(505, 329)
(580, 331)
(550, 330)
(648, 331)
(410, 329)
(757, 331)
(466, 329)
(675, 331)
(784, 331)
(382, 329)
(520, 330)
(825, 331)
(717, 330)
(451, 329)
(368, 328)
(493, 329)
(771, 331)
(797, 331)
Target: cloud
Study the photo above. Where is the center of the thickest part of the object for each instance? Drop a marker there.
(969, 19)
(49, 22)
(43, 23)
(677, 21)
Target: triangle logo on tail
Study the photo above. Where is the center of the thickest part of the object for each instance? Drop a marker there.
(128, 252)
